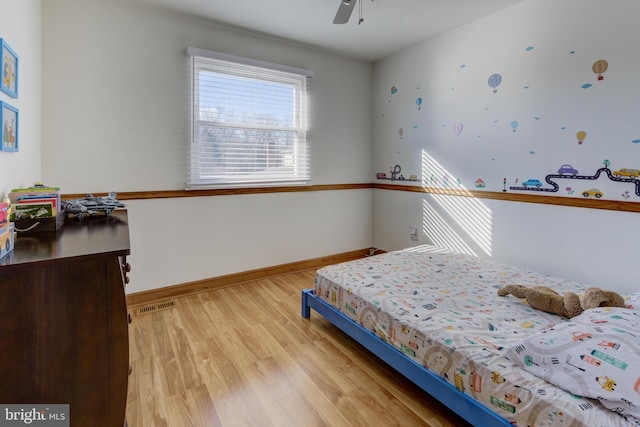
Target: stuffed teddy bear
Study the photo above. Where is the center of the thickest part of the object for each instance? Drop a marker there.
(545, 299)
(596, 297)
(569, 305)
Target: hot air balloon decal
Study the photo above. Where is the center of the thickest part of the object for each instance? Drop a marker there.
(599, 67)
(514, 125)
(581, 135)
(457, 128)
(494, 81)
(419, 102)
(394, 90)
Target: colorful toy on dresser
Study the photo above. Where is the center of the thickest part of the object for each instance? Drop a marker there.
(36, 209)
(6, 231)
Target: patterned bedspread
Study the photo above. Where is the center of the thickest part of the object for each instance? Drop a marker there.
(441, 309)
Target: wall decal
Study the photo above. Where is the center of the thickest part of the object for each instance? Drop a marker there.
(395, 172)
(457, 128)
(568, 169)
(624, 175)
(581, 135)
(600, 67)
(396, 175)
(593, 192)
(494, 81)
(558, 100)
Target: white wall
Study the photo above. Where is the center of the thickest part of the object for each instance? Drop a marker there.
(20, 28)
(544, 51)
(115, 118)
(230, 234)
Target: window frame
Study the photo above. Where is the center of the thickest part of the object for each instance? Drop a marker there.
(261, 71)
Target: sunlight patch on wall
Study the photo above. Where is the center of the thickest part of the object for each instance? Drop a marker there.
(440, 232)
(469, 213)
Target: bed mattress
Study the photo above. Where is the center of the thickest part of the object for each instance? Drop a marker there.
(441, 310)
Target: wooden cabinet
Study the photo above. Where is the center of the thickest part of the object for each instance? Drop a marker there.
(63, 320)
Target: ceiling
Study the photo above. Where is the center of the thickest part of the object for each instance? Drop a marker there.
(388, 26)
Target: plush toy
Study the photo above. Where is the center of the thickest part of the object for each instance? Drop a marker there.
(545, 299)
(569, 305)
(596, 297)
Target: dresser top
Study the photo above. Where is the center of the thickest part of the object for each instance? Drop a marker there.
(93, 236)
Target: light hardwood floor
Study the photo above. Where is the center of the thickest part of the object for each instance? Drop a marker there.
(244, 356)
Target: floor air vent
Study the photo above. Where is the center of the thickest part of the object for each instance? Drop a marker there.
(155, 307)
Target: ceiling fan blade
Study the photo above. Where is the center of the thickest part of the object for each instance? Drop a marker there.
(344, 11)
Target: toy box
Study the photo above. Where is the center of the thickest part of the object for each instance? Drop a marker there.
(37, 225)
(6, 239)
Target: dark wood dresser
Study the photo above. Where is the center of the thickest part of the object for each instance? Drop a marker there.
(63, 320)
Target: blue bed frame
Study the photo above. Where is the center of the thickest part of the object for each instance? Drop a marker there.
(466, 407)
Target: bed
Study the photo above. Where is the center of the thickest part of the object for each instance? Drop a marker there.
(435, 316)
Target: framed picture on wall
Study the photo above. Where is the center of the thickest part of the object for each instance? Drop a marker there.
(9, 82)
(9, 120)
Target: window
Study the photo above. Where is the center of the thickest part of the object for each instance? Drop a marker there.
(248, 122)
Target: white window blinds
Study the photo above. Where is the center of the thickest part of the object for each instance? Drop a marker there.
(249, 122)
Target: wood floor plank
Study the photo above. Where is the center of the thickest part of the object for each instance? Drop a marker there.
(243, 356)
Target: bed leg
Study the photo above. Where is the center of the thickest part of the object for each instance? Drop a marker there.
(306, 310)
